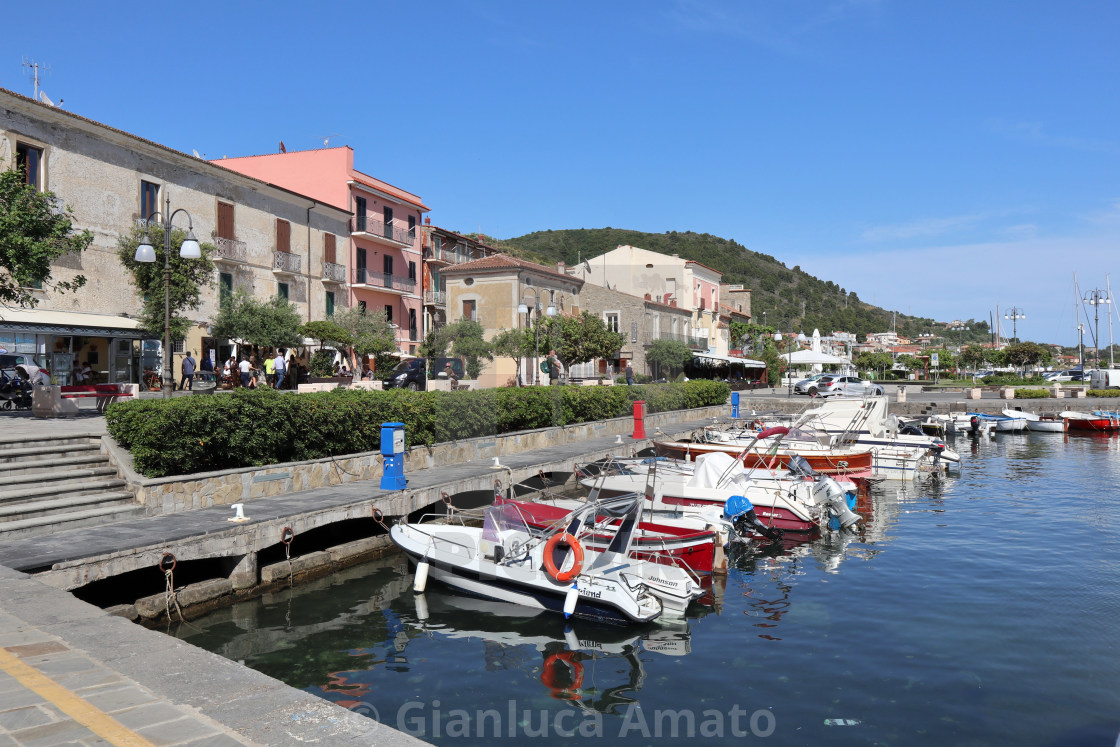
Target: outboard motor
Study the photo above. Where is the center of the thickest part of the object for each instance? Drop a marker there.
(799, 467)
(910, 430)
(740, 513)
(936, 448)
(974, 426)
(837, 501)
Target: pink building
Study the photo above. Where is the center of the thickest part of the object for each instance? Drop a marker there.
(384, 252)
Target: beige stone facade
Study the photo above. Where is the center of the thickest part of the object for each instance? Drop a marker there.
(104, 175)
(639, 320)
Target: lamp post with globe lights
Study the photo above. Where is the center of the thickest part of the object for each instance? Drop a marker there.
(523, 308)
(1096, 297)
(961, 328)
(145, 252)
(1014, 314)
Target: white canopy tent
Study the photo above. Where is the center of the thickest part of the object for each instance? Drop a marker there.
(814, 358)
(730, 359)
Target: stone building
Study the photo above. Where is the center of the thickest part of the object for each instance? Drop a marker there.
(270, 241)
(489, 290)
(443, 249)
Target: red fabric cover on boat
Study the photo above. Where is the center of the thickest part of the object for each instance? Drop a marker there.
(777, 430)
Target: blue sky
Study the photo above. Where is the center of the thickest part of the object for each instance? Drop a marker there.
(938, 158)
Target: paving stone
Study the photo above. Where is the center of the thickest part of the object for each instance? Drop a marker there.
(52, 735)
(116, 700)
(78, 681)
(177, 732)
(28, 650)
(20, 638)
(219, 740)
(59, 664)
(148, 715)
(23, 718)
(19, 697)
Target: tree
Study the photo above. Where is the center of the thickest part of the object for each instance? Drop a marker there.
(466, 339)
(33, 234)
(331, 338)
(878, 362)
(672, 354)
(272, 324)
(775, 365)
(512, 343)
(975, 356)
(370, 334)
(188, 277)
(1023, 355)
(752, 336)
(579, 339)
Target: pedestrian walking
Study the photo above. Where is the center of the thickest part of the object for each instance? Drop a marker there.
(279, 368)
(629, 374)
(188, 372)
(206, 367)
(245, 367)
(270, 371)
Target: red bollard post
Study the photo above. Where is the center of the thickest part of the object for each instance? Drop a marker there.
(639, 419)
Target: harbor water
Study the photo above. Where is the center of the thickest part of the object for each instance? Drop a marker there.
(979, 609)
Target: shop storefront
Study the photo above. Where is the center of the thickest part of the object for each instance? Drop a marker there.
(112, 348)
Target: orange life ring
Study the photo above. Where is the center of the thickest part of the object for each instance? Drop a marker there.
(550, 564)
(549, 674)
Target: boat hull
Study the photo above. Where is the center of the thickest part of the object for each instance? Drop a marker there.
(1093, 425)
(849, 464)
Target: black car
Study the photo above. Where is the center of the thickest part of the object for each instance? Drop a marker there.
(413, 374)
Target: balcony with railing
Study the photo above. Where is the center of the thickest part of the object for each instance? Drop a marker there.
(334, 273)
(286, 262)
(435, 298)
(379, 280)
(691, 340)
(368, 227)
(448, 256)
(230, 250)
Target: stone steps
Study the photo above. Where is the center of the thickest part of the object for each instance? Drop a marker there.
(40, 466)
(47, 476)
(40, 525)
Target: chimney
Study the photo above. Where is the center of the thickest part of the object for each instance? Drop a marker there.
(560, 267)
(427, 220)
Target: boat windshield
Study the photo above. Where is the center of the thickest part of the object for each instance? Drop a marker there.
(500, 519)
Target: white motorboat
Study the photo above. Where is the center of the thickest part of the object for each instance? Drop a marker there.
(507, 561)
(1047, 423)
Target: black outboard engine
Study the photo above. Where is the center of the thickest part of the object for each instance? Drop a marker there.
(740, 513)
(974, 425)
(936, 448)
(910, 430)
(799, 467)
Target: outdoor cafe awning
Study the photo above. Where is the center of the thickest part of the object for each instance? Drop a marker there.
(730, 359)
(69, 323)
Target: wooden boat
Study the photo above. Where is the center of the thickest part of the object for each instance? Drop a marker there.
(1095, 422)
(1045, 423)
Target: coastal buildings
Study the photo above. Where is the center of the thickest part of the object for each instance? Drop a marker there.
(443, 249)
(270, 240)
(382, 250)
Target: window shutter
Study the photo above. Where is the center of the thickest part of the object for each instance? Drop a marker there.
(225, 221)
(328, 248)
(283, 236)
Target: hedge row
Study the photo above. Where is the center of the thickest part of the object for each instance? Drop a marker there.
(1032, 393)
(1103, 393)
(248, 428)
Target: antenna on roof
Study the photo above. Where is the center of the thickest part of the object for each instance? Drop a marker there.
(46, 100)
(35, 67)
(327, 139)
(195, 151)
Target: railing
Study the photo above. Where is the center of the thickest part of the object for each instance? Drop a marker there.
(435, 298)
(362, 276)
(332, 271)
(690, 340)
(376, 227)
(286, 262)
(231, 249)
(451, 256)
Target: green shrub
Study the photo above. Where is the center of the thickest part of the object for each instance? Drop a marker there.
(1103, 393)
(1032, 393)
(247, 428)
(322, 363)
(1013, 380)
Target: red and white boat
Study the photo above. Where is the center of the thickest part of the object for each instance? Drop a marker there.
(1093, 422)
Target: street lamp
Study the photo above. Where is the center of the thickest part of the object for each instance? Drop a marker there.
(1015, 314)
(146, 253)
(962, 328)
(523, 308)
(789, 357)
(1097, 297)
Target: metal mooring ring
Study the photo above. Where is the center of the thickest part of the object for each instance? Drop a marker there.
(167, 562)
(287, 535)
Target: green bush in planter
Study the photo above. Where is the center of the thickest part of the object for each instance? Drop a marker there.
(1032, 393)
(247, 428)
(1103, 393)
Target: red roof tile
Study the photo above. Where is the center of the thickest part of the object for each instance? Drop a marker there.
(505, 262)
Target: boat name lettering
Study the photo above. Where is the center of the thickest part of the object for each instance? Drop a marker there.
(590, 593)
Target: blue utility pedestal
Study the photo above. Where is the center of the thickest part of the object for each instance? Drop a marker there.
(392, 449)
(734, 404)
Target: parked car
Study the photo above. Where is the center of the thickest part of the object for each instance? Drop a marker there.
(413, 373)
(803, 386)
(1060, 376)
(851, 386)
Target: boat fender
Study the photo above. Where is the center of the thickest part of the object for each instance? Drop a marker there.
(421, 581)
(563, 538)
(570, 600)
(421, 607)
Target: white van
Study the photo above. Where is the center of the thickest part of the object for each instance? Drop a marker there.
(1105, 378)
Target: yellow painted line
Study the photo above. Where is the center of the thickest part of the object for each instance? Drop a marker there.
(82, 711)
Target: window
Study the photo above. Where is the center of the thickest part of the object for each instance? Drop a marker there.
(388, 265)
(360, 270)
(29, 160)
(330, 303)
(328, 248)
(412, 271)
(470, 310)
(611, 318)
(359, 213)
(149, 199)
(178, 346)
(388, 313)
(412, 226)
(283, 236)
(412, 324)
(225, 221)
(225, 289)
(633, 331)
(388, 213)
(282, 290)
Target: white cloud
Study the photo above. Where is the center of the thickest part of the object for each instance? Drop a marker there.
(924, 228)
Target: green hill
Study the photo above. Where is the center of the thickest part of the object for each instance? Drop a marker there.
(782, 292)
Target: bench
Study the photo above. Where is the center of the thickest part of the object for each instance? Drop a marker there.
(58, 401)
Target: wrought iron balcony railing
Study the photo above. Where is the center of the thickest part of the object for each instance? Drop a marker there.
(231, 249)
(376, 227)
(435, 298)
(286, 262)
(335, 272)
(362, 276)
